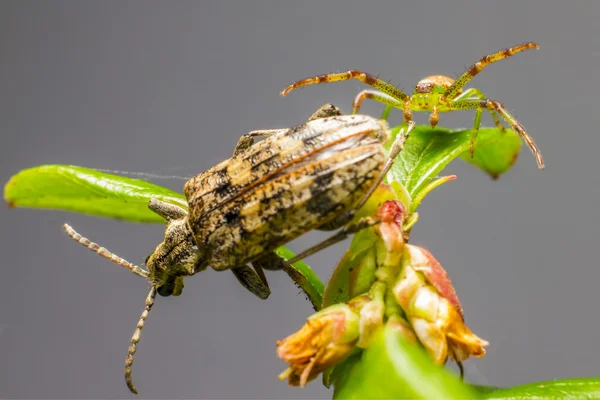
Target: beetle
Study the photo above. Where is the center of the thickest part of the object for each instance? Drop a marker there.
(311, 176)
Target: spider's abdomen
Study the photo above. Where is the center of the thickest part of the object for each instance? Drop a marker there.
(434, 84)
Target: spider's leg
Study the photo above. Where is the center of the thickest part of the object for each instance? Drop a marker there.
(478, 94)
(499, 108)
(476, 68)
(386, 113)
(476, 125)
(370, 80)
(381, 97)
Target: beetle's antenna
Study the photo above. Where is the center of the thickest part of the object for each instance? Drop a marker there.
(135, 339)
(139, 271)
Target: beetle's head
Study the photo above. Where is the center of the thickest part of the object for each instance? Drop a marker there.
(174, 258)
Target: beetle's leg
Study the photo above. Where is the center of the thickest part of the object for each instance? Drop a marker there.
(395, 149)
(167, 210)
(476, 68)
(478, 94)
(498, 107)
(252, 281)
(261, 274)
(325, 111)
(272, 261)
(137, 270)
(342, 234)
(370, 80)
(247, 139)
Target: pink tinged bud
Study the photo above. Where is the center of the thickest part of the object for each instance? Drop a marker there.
(371, 316)
(391, 213)
(430, 316)
(428, 298)
(401, 326)
(409, 281)
(424, 262)
(325, 340)
(391, 244)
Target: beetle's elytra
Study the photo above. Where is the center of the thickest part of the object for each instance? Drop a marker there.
(307, 177)
(265, 200)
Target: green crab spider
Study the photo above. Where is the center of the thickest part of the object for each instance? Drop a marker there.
(436, 94)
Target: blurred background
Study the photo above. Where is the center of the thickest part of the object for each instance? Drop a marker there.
(168, 87)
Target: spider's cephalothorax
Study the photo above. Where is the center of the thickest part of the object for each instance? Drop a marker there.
(436, 94)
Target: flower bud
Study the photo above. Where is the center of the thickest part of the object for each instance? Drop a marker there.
(371, 315)
(402, 327)
(428, 298)
(325, 340)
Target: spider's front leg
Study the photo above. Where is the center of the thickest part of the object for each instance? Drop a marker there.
(386, 99)
(493, 105)
(476, 68)
(386, 93)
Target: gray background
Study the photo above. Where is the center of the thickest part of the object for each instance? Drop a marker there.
(168, 87)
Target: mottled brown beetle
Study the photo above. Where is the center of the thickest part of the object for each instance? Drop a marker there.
(312, 176)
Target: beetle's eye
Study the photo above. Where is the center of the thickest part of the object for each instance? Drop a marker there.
(147, 258)
(165, 290)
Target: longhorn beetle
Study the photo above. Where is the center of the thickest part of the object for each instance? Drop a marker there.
(311, 176)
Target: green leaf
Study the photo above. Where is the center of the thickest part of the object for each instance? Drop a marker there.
(428, 150)
(428, 188)
(495, 152)
(393, 368)
(304, 277)
(575, 388)
(87, 191)
(358, 257)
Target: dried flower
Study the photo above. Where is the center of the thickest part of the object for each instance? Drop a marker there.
(325, 340)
